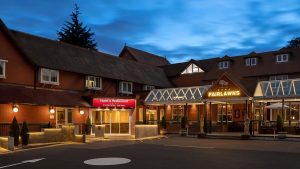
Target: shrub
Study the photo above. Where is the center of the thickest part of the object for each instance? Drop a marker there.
(164, 122)
(14, 131)
(24, 134)
(88, 126)
(205, 125)
(183, 122)
(279, 124)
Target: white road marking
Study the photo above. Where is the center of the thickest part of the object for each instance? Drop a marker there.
(23, 162)
(107, 161)
(182, 146)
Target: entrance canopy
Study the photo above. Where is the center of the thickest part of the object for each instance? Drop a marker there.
(176, 95)
(278, 89)
(277, 106)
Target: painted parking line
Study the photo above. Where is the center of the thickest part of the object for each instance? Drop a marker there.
(183, 146)
(23, 162)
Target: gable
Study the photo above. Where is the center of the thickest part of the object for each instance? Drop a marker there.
(192, 68)
(225, 87)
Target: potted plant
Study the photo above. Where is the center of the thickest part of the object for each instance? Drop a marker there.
(88, 126)
(163, 129)
(280, 129)
(183, 124)
(14, 131)
(24, 134)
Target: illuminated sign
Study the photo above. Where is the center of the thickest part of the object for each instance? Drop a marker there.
(178, 98)
(113, 103)
(224, 93)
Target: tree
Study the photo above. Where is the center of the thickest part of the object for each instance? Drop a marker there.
(76, 33)
(14, 131)
(24, 134)
(88, 126)
(279, 124)
(294, 43)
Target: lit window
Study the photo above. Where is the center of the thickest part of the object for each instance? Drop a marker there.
(251, 61)
(125, 87)
(282, 58)
(2, 68)
(93, 82)
(148, 88)
(49, 76)
(224, 65)
(224, 116)
(177, 112)
(276, 80)
(192, 68)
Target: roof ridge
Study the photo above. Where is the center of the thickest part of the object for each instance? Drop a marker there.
(146, 52)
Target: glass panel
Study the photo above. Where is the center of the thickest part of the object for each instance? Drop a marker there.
(45, 75)
(151, 116)
(70, 116)
(177, 112)
(96, 117)
(124, 122)
(54, 76)
(61, 118)
(106, 121)
(1, 68)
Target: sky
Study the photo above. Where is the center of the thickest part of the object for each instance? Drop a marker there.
(177, 29)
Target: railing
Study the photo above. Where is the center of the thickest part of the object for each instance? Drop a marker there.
(278, 88)
(33, 127)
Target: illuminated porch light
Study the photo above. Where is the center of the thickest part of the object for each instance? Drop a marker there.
(122, 109)
(52, 110)
(81, 112)
(115, 109)
(107, 109)
(293, 117)
(15, 108)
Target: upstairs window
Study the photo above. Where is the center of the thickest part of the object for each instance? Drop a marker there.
(93, 82)
(224, 65)
(275, 80)
(251, 61)
(49, 76)
(192, 68)
(282, 58)
(148, 88)
(125, 87)
(2, 68)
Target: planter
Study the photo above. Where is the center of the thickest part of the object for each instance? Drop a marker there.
(282, 135)
(163, 131)
(182, 132)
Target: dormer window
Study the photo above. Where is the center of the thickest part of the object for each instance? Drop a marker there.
(148, 87)
(2, 68)
(224, 65)
(281, 58)
(251, 61)
(49, 76)
(93, 82)
(192, 68)
(125, 87)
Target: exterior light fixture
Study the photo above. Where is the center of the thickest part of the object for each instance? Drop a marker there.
(115, 109)
(52, 110)
(15, 108)
(293, 117)
(107, 109)
(122, 109)
(81, 112)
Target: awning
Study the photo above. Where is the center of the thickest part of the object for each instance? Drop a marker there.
(27, 95)
(176, 95)
(277, 106)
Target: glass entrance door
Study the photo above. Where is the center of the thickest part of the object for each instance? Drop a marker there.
(116, 121)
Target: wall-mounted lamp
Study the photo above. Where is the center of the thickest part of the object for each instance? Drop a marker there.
(107, 109)
(15, 108)
(51, 110)
(81, 112)
(293, 117)
(122, 109)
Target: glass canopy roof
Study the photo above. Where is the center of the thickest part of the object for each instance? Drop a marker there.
(176, 95)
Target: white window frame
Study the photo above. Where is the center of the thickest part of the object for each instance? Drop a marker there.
(3, 63)
(148, 87)
(90, 82)
(192, 68)
(275, 80)
(224, 65)
(282, 58)
(251, 61)
(127, 84)
(50, 73)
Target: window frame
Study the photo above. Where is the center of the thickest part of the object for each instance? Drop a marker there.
(50, 71)
(3, 63)
(179, 112)
(194, 69)
(127, 84)
(280, 58)
(249, 61)
(222, 65)
(93, 79)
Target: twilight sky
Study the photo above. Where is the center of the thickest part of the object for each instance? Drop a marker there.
(178, 29)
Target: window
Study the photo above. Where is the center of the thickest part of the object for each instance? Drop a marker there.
(125, 87)
(49, 76)
(2, 68)
(177, 112)
(275, 81)
(224, 65)
(222, 115)
(282, 58)
(64, 116)
(251, 61)
(148, 88)
(192, 68)
(93, 82)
